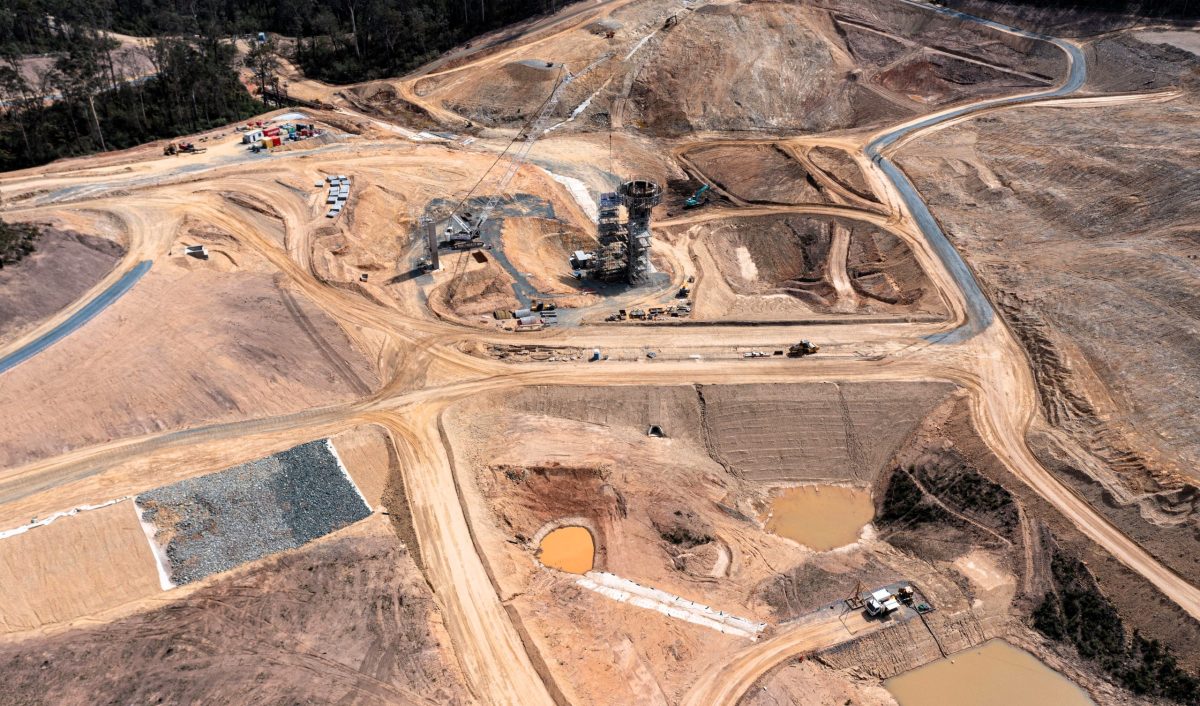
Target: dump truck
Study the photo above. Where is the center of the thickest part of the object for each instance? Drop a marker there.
(801, 349)
(699, 198)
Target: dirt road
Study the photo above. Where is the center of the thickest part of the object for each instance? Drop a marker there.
(425, 367)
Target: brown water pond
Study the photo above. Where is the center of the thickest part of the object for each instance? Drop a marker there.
(993, 674)
(820, 516)
(568, 549)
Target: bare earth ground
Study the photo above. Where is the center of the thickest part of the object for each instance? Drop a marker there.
(995, 449)
(347, 618)
(1096, 268)
(224, 346)
(62, 268)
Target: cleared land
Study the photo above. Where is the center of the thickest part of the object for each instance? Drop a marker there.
(345, 618)
(1025, 476)
(74, 567)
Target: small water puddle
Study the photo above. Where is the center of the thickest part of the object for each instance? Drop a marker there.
(568, 549)
(822, 517)
(993, 674)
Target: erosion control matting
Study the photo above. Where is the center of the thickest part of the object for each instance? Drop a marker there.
(219, 521)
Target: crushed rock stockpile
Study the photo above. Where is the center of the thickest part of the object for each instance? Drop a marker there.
(217, 522)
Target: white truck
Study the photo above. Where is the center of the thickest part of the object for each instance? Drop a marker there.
(881, 602)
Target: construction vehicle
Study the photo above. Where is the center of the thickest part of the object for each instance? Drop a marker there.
(683, 293)
(182, 148)
(881, 602)
(699, 198)
(801, 349)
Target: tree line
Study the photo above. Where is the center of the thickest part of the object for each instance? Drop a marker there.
(86, 101)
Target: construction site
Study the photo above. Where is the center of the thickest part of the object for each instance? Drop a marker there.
(697, 353)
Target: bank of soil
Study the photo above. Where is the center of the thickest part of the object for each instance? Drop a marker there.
(227, 346)
(1096, 269)
(64, 266)
(790, 266)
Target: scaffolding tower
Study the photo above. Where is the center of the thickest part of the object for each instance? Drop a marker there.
(640, 197)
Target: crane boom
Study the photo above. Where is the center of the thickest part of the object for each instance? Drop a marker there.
(536, 128)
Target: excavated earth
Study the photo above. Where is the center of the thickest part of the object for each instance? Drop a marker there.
(1076, 219)
(347, 619)
(678, 514)
(1096, 267)
(63, 267)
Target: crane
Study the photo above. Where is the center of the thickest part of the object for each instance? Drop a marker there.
(465, 226)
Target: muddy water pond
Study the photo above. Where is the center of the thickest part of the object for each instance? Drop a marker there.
(820, 516)
(568, 549)
(993, 674)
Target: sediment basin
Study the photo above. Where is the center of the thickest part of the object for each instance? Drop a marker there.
(822, 517)
(993, 674)
(568, 549)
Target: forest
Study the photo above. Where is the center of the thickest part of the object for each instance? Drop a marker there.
(83, 99)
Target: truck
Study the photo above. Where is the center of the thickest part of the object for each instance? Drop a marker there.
(881, 602)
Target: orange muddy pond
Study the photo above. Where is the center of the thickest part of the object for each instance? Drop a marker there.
(821, 517)
(568, 549)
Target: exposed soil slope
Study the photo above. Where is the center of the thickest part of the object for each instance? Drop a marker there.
(62, 268)
(346, 619)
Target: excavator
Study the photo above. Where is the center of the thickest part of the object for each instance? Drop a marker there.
(697, 199)
(801, 349)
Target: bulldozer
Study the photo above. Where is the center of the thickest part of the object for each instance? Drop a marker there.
(801, 349)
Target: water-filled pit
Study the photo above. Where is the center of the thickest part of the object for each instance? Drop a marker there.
(993, 674)
(568, 549)
(821, 517)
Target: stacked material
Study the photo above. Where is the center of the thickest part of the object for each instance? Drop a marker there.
(339, 193)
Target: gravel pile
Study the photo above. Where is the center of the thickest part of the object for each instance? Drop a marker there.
(219, 521)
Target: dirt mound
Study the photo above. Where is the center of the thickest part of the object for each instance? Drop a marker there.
(937, 79)
(733, 67)
(482, 289)
(1122, 63)
(543, 247)
(882, 266)
(371, 631)
(64, 266)
(842, 168)
(756, 173)
(776, 255)
(511, 93)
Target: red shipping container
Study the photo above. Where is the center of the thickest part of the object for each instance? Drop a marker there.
(271, 131)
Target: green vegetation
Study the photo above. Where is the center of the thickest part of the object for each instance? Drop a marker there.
(16, 241)
(91, 107)
(957, 485)
(85, 103)
(1078, 613)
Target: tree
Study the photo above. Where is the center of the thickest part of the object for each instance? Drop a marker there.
(16, 241)
(263, 60)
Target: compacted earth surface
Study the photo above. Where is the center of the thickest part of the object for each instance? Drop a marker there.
(310, 452)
